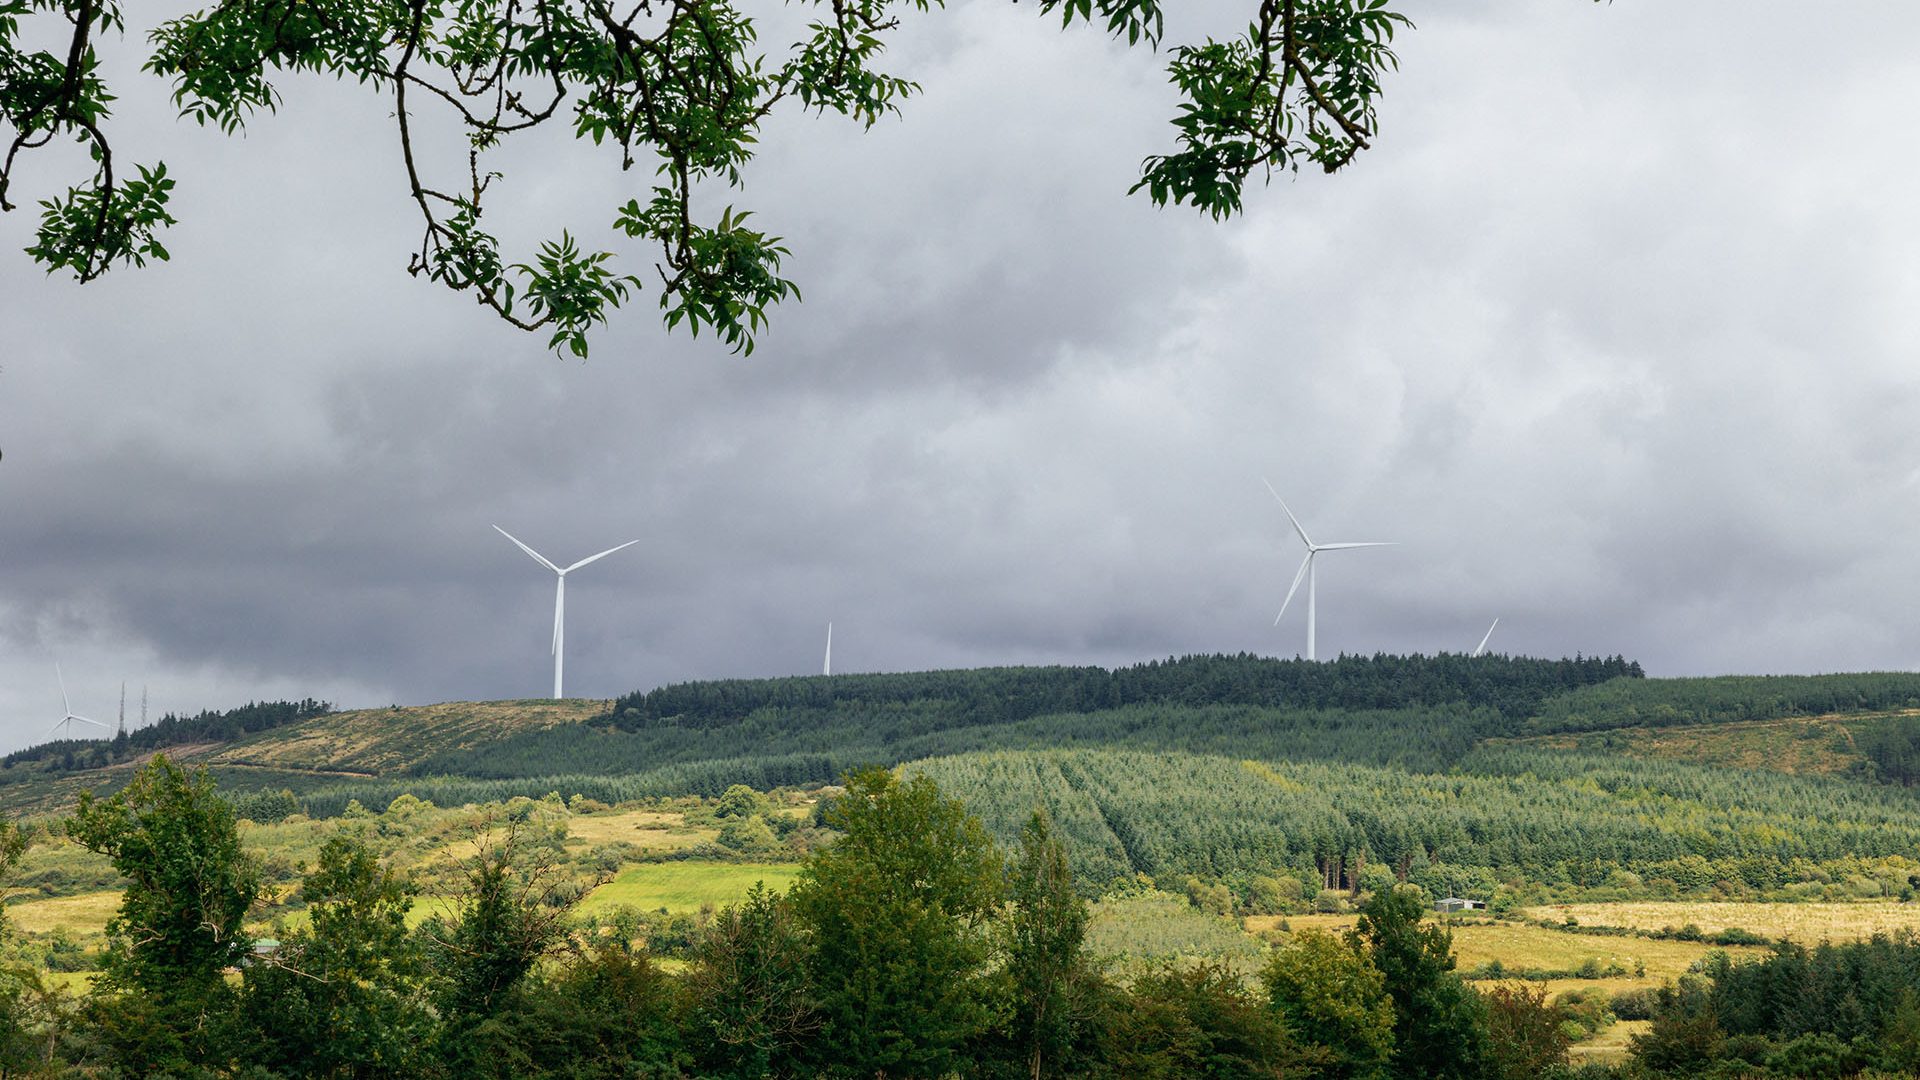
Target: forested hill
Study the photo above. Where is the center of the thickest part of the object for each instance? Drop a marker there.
(1414, 711)
(1514, 687)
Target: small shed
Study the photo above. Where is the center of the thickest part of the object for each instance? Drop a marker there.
(1456, 903)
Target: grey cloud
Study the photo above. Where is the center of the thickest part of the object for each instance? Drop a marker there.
(1624, 358)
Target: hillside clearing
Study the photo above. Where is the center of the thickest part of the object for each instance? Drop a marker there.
(1808, 924)
(686, 886)
(1798, 746)
(382, 741)
(84, 916)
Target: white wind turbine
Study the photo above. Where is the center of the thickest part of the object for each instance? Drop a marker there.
(1482, 647)
(1306, 568)
(70, 716)
(827, 668)
(559, 598)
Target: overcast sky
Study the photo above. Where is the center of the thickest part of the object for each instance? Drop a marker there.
(1616, 332)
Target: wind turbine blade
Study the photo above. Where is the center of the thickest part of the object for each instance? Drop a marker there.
(1290, 517)
(64, 703)
(1370, 543)
(1482, 647)
(537, 557)
(602, 555)
(1301, 573)
(95, 723)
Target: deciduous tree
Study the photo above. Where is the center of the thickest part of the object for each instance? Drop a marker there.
(1330, 995)
(899, 910)
(753, 1004)
(1439, 1033)
(162, 998)
(347, 995)
(1047, 964)
(189, 884)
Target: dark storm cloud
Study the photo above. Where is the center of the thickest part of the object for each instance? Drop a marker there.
(1625, 358)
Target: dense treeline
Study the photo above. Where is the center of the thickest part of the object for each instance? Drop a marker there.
(1671, 702)
(207, 725)
(910, 947)
(1512, 686)
(1829, 1011)
(1891, 749)
(1541, 817)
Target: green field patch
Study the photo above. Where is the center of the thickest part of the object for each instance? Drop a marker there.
(686, 886)
(84, 916)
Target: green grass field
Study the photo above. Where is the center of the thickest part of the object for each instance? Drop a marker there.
(686, 886)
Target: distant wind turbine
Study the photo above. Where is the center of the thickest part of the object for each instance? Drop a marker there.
(827, 668)
(1306, 568)
(70, 716)
(559, 598)
(1482, 647)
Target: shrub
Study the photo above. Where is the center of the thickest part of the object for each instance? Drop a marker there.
(1525, 1036)
(1197, 1021)
(1635, 1004)
(1816, 1056)
(1329, 992)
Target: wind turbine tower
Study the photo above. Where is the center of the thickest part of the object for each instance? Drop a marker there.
(67, 704)
(1482, 647)
(560, 598)
(123, 711)
(827, 668)
(1306, 568)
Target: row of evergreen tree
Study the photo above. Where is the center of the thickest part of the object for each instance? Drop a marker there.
(1512, 686)
(1834, 1010)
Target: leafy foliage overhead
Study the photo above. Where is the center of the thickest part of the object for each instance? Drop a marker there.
(678, 88)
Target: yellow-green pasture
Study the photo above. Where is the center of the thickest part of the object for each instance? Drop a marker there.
(653, 830)
(1610, 1046)
(1648, 962)
(84, 916)
(1806, 923)
(686, 886)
